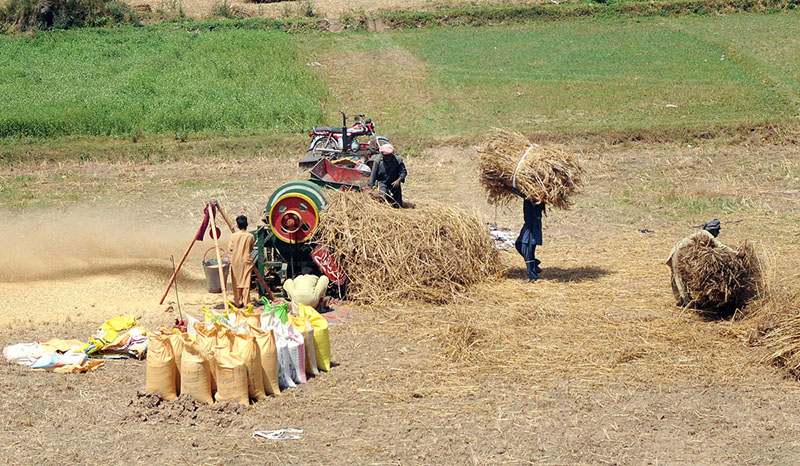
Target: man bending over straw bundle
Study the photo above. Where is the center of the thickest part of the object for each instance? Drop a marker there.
(388, 173)
(711, 231)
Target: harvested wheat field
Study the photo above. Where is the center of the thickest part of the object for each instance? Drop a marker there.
(325, 10)
(592, 364)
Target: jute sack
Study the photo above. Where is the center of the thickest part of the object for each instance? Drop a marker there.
(269, 359)
(224, 336)
(178, 341)
(160, 375)
(245, 346)
(231, 377)
(251, 319)
(196, 373)
(205, 341)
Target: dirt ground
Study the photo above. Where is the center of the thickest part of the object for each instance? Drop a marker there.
(328, 9)
(610, 372)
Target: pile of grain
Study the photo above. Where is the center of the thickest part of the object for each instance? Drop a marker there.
(542, 174)
(431, 252)
(717, 279)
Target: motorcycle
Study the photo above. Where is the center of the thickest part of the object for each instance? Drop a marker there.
(329, 141)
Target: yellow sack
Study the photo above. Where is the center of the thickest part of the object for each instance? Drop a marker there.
(322, 344)
(231, 378)
(109, 331)
(196, 374)
(211, 316)
(161, 369)
(234, 309)
(205, 341)
(246, 347)
(269, 359)
(94, 345)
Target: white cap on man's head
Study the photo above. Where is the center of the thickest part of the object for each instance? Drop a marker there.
(387, 149)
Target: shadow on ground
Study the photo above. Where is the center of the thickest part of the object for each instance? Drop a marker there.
(559, 274)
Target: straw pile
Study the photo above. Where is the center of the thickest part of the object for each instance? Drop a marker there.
(430, 253)
(783, 341)
(545, 175)
(773, 322)
(717, 279)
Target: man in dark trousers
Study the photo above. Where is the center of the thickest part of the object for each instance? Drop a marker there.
(530, 236)
(388, 172)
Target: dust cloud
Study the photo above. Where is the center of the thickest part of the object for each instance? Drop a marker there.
(52, 244)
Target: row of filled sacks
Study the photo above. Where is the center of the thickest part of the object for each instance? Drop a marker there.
(249, 357)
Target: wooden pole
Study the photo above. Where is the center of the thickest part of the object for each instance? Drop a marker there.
(263, 282)
(219, 259)
(175, 272)
(224, 217)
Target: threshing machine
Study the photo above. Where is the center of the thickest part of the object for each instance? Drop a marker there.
(285, 245)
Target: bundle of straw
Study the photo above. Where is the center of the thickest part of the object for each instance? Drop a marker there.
(717, 279)
(430, 253)
(772, 321)
(782, 337)
(544, 175)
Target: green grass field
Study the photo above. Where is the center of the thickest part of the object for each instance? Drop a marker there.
(133, 80)
(578, 75)
(590, 75)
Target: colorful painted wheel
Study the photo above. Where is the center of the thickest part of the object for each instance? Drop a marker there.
(304, 187)
(294, 218)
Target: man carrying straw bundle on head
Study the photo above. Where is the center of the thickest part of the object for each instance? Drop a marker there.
(530, 236)
(512, 166)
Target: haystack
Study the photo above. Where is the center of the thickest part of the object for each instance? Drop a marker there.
(431, 252)
(719, 280)
(508, 159)
(773, 322)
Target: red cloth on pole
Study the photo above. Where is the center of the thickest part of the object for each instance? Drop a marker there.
(204, 226)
